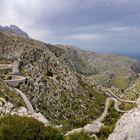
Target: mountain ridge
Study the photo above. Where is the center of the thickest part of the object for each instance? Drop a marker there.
(14, 29)
(66, 84)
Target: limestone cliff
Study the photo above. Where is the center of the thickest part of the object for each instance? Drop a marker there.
(127, 128)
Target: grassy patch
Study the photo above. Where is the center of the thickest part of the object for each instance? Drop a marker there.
(25, 128)
(126, 106)
(80, 136)
(121, 82)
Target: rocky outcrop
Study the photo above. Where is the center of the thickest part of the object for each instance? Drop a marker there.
(40, 118)
(93, 128)
(13, 29)
(127, 128)
(7, 108)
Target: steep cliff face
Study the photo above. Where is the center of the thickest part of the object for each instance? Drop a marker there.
(127, 128)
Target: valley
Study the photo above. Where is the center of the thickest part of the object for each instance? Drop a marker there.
(68, 88)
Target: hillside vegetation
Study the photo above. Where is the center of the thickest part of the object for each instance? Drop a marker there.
(61, 81)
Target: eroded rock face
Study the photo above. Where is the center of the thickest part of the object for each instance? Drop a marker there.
(128, 127)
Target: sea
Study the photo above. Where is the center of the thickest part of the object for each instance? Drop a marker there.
(135, 56)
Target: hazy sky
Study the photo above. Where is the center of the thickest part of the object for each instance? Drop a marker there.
(100, 25)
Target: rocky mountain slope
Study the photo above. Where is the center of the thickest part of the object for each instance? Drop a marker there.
(13, 29)
(64, 83)
(51, 86)
(100, 69)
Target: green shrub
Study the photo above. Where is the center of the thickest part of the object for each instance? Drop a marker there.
(53, 134)
(121, 82)
(49, 73)
(105, 131)
(24, 128)
(80, 136)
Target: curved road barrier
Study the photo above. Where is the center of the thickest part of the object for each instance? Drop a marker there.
(15, 81)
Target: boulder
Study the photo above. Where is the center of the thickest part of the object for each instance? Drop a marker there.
(22, 111)
(8, 108)
(93, 128)
(41, 118)
(127, 127)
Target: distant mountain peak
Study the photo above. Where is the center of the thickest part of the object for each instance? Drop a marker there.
(14, 29)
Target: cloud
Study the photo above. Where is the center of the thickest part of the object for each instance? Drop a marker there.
(35, 16)
(98, 24)
(117, 29)
(87, 37)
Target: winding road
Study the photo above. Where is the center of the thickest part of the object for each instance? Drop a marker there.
(15, 81)
(28, 104)
(116, 100)
(105, 112)
(122, 100)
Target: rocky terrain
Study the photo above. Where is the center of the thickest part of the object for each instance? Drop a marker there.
(69, 87)
(52, 87)
(127, 128)
(106, 70)
(11, 94)
(13, 29)
(133, 92)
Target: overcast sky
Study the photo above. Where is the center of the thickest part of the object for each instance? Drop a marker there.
(100, 25)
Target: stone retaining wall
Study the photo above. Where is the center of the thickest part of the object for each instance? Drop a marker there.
(15, 81)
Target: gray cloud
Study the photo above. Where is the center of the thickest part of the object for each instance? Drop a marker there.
(101, 25)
